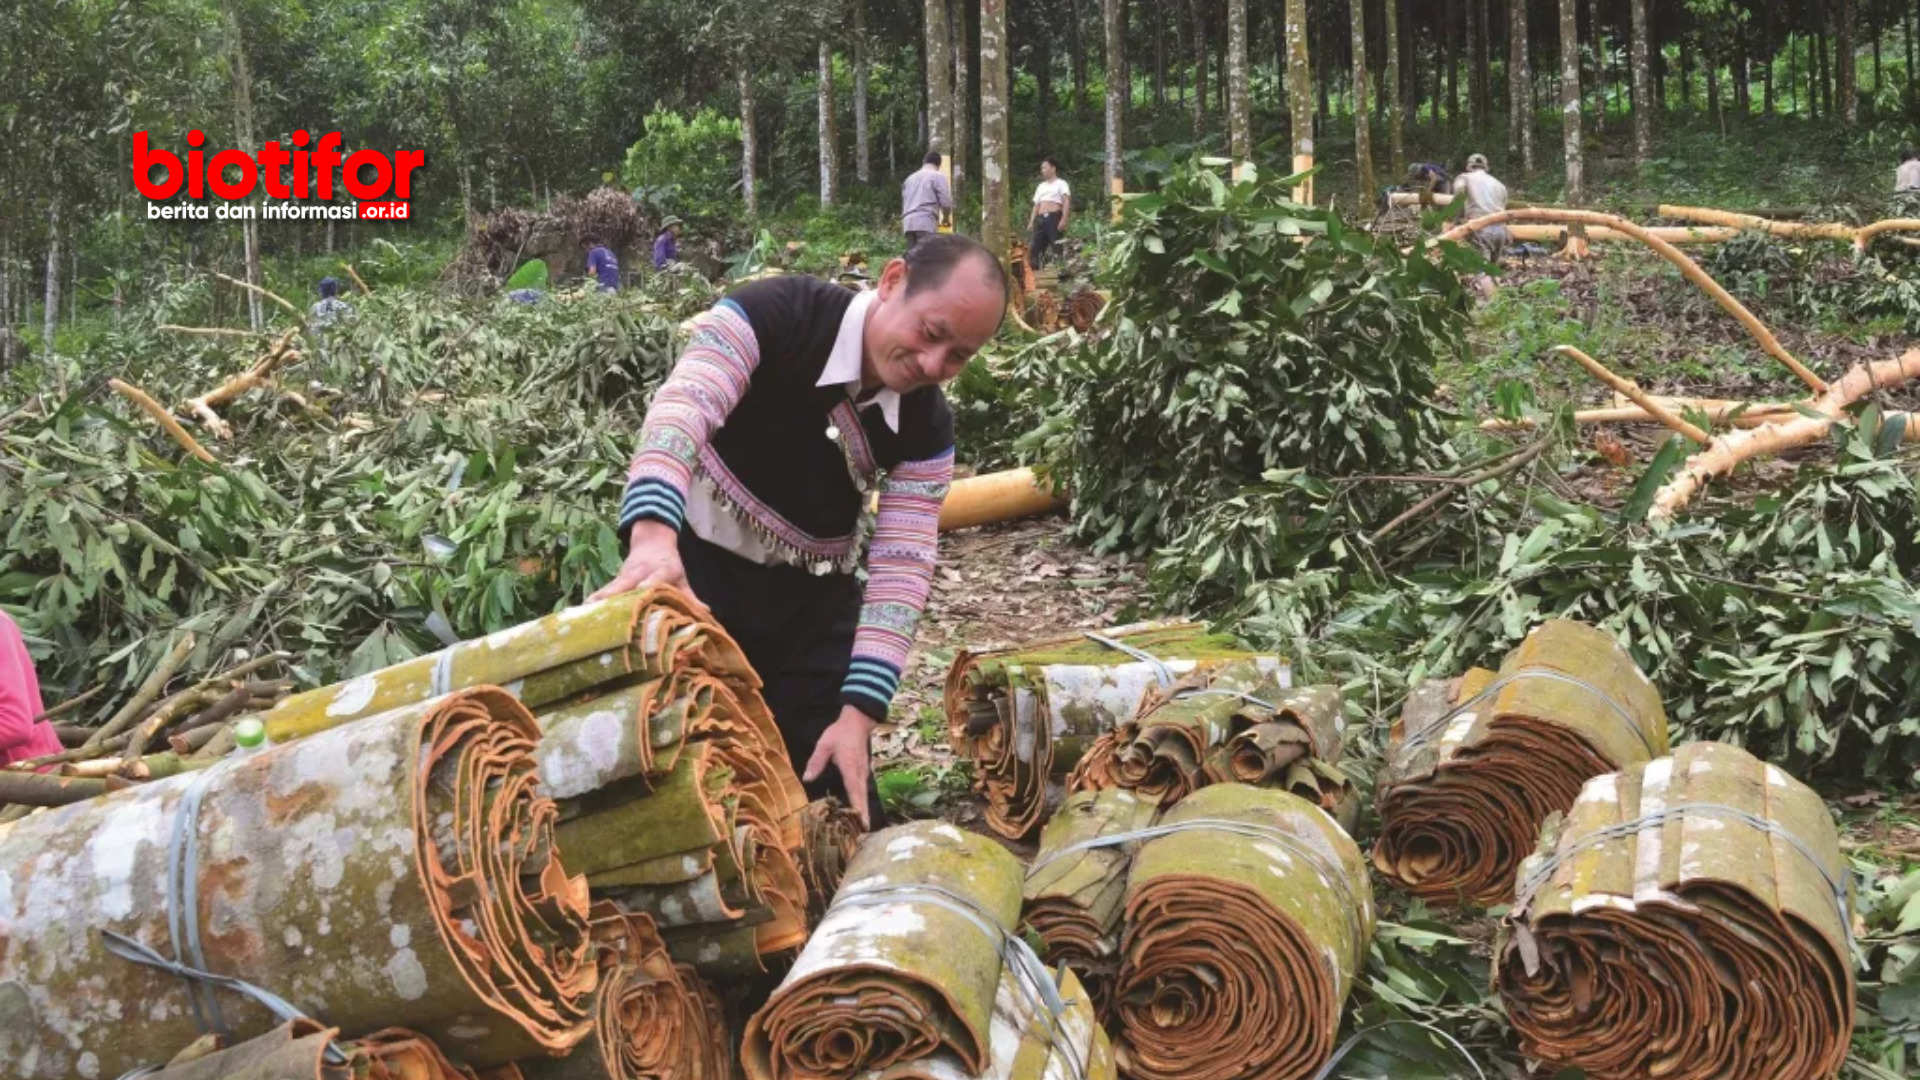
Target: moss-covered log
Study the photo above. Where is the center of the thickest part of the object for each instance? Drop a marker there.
(1245, 931)
(1474, 767)
(1027, 714)
(1688, 918)
(396, 871)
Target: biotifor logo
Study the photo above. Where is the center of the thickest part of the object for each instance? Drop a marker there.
(298, 173)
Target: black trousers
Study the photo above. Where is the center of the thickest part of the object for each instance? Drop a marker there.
(797, 631)
(1046, 232)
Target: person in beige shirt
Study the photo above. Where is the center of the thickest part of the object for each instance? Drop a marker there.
(1479, 194)
(1907, 176)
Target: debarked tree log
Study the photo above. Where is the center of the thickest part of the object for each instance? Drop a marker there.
(916, 972)
(1246, 926)
(1688, 919)
(1474, 766)
(398, 871)
(1026, 714)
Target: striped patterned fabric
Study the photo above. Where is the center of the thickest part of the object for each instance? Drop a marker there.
(899, 575)
(708, 381)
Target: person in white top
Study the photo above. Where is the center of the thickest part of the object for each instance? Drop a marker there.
(1052, 210)
(1907, 176)
(1478, 194)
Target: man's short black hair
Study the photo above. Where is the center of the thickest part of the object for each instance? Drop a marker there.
(1051, 160)
(935, 258)
(932, 158)
(1909, 154)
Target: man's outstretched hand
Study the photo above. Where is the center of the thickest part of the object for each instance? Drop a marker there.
(653, 558)
(845, 745)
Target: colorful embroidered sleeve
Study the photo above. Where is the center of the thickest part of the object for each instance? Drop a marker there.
(900, 561)
(706, 383)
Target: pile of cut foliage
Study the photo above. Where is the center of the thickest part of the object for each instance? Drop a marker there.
(440, 468)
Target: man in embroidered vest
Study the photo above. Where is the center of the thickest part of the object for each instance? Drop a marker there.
(794, 400)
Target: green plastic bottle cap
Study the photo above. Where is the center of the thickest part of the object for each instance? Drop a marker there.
(250, 733)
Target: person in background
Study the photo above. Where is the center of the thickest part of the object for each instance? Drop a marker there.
(23, 734)
(666, 246)
(1428, 177)
(602, 264)
(924, 197)
(1478, 194)
(329, 309)
(1907, 176)
(1052, 212)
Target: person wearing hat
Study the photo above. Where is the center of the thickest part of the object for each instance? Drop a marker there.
(666, 246)
(329, 309)
(790, 473)
(1478, 194)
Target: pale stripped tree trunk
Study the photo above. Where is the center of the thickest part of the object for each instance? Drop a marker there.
(995, 169)
(962, 105)
(1112, 11)
(1570, 94)
(1521, 59)
(1362, 111)
(939, 78)
(829, 159)
(1847, 88)
(862, 168)
(50, 312)
(1199, 103)
(1239, 86)
(749, 140)
(1300, 94)
(1643, 86)
(1396, 99)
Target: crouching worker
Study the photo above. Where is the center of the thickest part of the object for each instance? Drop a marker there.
(793, 401)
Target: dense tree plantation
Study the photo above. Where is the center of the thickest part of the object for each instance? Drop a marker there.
(1393, 353)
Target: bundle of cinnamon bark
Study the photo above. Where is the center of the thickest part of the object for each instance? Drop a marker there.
(1476, 764)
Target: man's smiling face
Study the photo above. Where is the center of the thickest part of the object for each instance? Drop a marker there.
(926, 337)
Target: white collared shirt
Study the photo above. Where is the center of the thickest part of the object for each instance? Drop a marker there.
(713, 521)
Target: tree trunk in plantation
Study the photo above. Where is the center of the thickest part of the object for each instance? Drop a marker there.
(1482, 65)
(749, 138)
(1323, 73)
(1043, 82)
(1300, 94)
(939, 78)
(1522, 61)
(829, 160)
(1159, 54)
(1362, 124)
(1848, 91)
(1599, 68)
(1476, 119)
(1239, 86)
(1390, 86)
(1451, 58)
(995, 169)
(1570, 95)
(1113, 10)
(1766, 67)
(50, 314)
(862, 168)
(1199, 103)
(962, 99)
(1907, 30)
(1686, 73)
(1874, 96)
(1713, 97)
(1077, 57)
(1642, 86)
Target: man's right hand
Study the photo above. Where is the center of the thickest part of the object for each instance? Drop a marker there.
(653, 558)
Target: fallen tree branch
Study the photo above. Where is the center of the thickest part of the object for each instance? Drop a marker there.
(1865, 236)
(1726, 453)
(149, 690)
(1755, 415)
(210, 331)
(1687, 267)
(164, 418)
(352, 273)
(71, 703)
(1793, 230)
(1512, 464)
(1633, 392)
(1672, 234)
(259, 375)
(46, 789)
(268, 293)
(77, 753)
